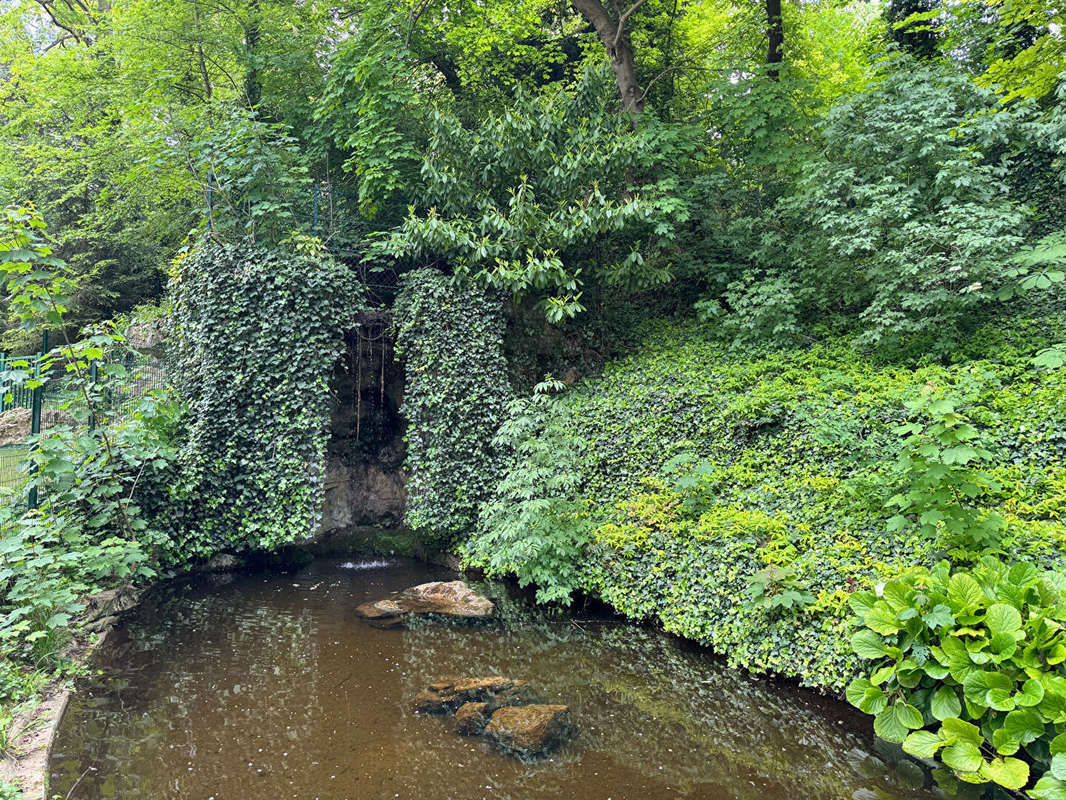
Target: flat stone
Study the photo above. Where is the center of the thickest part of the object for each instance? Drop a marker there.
(531, 730)
(440, 598)
(471, 718)
(446, 695)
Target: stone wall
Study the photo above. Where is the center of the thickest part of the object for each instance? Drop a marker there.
(364, 475)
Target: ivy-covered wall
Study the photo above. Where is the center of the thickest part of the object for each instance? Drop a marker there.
(456, 393)
(257, 332)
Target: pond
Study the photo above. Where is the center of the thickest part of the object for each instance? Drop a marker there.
(267, 686)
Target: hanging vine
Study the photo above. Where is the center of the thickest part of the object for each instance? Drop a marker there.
(258, 332)
(455, 397)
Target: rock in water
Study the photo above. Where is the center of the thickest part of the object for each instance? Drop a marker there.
(531, 730)
(440, 598)
(447, 694)
(471, 718)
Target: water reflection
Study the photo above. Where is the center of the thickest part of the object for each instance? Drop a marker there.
(269, 687)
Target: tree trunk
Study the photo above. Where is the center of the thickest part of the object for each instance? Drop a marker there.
(619, 49)
(775, 35)
(253, 90)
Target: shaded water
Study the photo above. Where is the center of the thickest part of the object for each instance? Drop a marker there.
(268, 687)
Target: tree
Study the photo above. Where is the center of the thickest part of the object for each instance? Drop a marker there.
(614, 35)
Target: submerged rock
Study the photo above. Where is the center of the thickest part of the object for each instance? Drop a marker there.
(471, 718)
(531, 730)
(446, 695)
(440, 598)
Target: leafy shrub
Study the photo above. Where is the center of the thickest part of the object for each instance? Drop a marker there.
(534, 526)
(257, 333)
(968, 667)
(903, 218)
(700, 466)
(778, 587)
(90, 527)
(557, 192)
(455, 396)
(939, 469)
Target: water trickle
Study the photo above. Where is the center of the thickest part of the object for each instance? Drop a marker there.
(374, 563)
(324, 706)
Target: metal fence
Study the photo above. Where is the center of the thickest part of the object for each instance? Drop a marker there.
(24, 412)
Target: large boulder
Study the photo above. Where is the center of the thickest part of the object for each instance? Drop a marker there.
(438, 599)
(148, 337)
(15, 423)
(531, 730)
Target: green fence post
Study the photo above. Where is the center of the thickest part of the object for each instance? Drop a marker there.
(35, 412)
(92, 394)
(314, 222)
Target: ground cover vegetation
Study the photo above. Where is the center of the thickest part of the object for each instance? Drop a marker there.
(745, 318)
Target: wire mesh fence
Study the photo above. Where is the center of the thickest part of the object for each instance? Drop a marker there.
(25, 411)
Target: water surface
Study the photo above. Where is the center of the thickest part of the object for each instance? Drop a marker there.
(264, 687)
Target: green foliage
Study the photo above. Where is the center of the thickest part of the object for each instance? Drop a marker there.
(257, 333)
(778, 587)
(455, 397)
(90, 528)
(903, 222)
(942, 480)
(369, 107)
(556, 193)
(700, 467)
(967, 668)
(533, 526)
(252, 171)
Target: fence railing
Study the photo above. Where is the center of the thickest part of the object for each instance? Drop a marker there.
(25, 412)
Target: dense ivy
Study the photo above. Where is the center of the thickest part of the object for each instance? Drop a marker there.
(455, 398)
(257, 334)
(791, 458)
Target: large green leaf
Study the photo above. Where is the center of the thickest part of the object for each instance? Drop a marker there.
(888, 726)
(1024, 725)
(868, 644)
(1048, 788)
(1010, 773)
(945, 703)
(957, 730)
(964, 757)
(922, 744)
(1001, 618)
(964, 594)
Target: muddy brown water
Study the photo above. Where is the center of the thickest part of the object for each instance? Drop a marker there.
(264, 687)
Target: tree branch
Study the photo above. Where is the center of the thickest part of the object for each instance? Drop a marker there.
(622, 21)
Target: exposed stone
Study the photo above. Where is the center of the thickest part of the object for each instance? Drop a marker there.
(361, 494)
(15, 423)
(471, 718)
(441, 598)
(148, 337)
(111, 603)
(446, 695)
(221, 562)
(531, 730)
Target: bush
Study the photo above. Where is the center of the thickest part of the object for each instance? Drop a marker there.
(789, 459)
(969, 667)
(534, 527)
